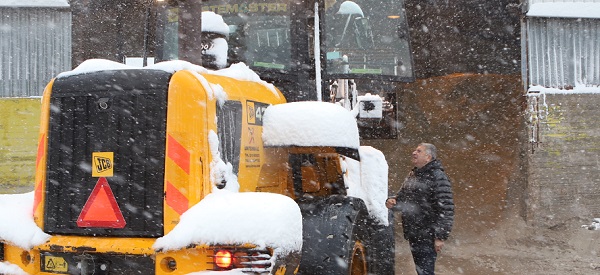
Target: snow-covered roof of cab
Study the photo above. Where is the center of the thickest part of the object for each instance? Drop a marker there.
(239, 71)
(310, 124)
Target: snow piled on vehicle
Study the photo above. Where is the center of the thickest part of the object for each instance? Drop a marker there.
(221, 173)
(212, 22)
(17, 226)
(239, 71)
(368, 180)
(225, 217)
(96, 65)
(309, 124)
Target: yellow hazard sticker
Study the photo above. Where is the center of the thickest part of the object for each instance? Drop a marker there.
(55, 264)
(102, 164)
(251, 112)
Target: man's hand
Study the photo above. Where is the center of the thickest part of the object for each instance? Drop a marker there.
(439, 244)
(389, 203)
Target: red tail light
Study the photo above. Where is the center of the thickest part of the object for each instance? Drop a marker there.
(223, 259)
(244, 259)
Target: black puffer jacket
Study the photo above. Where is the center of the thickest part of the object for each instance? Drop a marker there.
(426, 202)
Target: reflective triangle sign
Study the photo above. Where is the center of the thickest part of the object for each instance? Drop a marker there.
(101, 208)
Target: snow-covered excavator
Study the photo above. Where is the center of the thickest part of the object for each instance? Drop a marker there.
(230, 167)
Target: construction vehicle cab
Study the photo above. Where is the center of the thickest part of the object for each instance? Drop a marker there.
(344, 52)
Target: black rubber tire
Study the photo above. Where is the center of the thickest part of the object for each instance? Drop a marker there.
(332, 228)
(382, 248)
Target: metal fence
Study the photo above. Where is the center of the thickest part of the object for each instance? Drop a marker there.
(35, 45)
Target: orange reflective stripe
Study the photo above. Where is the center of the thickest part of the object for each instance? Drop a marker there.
(176, 200)
(40, 151)
(37, 196)
(178, 154)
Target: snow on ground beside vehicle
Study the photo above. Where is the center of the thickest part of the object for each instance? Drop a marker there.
(309, 124)
(595, 225)
(371, 185)
(225, 217)
(12, 269)
(16, 225)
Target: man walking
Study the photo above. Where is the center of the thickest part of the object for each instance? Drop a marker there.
(425, 200)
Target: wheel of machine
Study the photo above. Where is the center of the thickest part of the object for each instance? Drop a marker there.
(382, 248)
(336, 235)
(358, 263)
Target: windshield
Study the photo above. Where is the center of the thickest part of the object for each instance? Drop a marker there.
(259, 31)
(365, 37)
(358, 39)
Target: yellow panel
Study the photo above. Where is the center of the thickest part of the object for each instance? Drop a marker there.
(40, 170)
(250, 95)
(29, 261)
(188, 261)
(187, 126)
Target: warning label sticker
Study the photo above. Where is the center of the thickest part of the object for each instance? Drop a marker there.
(103, 164)
(55, 264)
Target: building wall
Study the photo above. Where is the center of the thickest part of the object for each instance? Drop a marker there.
(476, 121)
(564, 158)
(562, 77)
(35, 46)
(108, 29)
(19, 130)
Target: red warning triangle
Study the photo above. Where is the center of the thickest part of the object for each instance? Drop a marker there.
(101, 208)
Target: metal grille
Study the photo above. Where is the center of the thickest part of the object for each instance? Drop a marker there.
(35, 45)
(563, 52)
(123, 112)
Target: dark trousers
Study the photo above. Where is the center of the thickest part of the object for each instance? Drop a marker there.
(424, 256)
